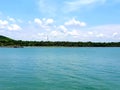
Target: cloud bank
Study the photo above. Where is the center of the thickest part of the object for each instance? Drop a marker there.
(40, 29)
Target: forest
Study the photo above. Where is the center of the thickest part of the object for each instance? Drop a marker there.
(8, 42)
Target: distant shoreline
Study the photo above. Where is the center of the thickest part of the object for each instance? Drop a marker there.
(55, 47)
(22, 44)
(10, 43)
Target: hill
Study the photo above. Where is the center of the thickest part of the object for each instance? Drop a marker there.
(3, 38)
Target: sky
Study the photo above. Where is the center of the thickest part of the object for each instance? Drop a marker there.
(61, 20)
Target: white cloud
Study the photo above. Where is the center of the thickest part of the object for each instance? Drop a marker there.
(65, 32)
(14, 27)
(55, 33)
(100, 35)
(62, 28)
(49, 21)
(74, 22)
(42, 36)
(115, 34)
(38, 21)
(3, 22)
(39, 29)
(44, 21)
(74, 33)
(74, 5)
(43, 24)
(90, 33)
(6, 25)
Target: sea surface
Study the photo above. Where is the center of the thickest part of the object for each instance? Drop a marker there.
(59, 68)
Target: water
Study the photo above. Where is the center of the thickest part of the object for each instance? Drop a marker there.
(51, 68)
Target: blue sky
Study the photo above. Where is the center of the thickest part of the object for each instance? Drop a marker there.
(61, 20)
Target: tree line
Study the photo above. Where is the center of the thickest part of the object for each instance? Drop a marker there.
(19, 43)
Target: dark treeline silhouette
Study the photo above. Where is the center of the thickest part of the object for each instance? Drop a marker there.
(65, 44)
(5, 41)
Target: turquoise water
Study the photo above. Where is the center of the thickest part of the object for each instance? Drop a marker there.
(52, 68)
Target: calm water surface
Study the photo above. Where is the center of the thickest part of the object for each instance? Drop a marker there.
(51, 68)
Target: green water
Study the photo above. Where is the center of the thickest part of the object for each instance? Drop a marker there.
(52, 68)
